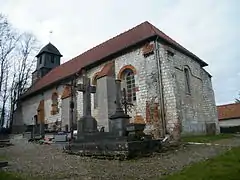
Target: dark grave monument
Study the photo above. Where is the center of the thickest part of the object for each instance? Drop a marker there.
(36, 131)
(123, 141)
(4, 138)
(87, 123)
(4, 141)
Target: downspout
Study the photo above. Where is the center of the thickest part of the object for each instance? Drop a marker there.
(160, 88)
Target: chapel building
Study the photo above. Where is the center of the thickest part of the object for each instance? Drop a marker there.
(167, 85)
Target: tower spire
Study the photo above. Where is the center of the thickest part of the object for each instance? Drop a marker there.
(50, 35)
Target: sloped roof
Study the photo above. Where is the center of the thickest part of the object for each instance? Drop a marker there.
(50, 48)
(228, 111)
(110, 47)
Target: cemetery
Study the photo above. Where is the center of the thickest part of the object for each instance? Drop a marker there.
(125, 147)
(124, 139)
(136, 106)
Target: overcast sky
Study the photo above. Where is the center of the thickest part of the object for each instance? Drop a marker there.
(208, 28)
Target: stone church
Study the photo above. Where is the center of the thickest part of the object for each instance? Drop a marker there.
(167, 86)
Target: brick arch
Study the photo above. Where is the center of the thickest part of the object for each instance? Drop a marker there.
(54, 94)
(94, 78)
(55, 109)
(66, 92)
(120, 74)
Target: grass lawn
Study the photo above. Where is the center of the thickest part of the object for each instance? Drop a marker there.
(223, 167)
(15, 176)
(10, 176)
(3, 158)
(206, 138)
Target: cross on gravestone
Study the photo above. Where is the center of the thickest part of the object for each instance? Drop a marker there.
(119, 110)
(87, 123)
(86, 89)
(119, 119)
(118, 97)
(125, 102)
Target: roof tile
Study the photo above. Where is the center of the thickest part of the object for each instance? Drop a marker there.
(228, 111)
(129, 38)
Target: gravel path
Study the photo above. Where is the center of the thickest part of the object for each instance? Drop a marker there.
(48, 162)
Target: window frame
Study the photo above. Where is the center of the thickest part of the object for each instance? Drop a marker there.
(129, 81)
(52, 58)
(187, 80)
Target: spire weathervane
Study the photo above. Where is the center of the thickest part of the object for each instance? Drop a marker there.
(50, 35)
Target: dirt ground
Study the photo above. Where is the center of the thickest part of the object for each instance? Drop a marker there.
(49, 162)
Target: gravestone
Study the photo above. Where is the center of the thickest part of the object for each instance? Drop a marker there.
(4, 138)
(114, 144)
(106, 96)
(87, 123)
(60, 137)
(42, 129)
(119, 119)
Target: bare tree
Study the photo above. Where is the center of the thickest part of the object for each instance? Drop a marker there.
(22, 69)
(237, 100)
(8, 41)
(16, 64)
(4, 96)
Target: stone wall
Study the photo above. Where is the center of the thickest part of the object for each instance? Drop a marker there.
(172, 118)
(193, 111)
(209, 105)
(229, 122)
(30, 105)
(18, 124)
(29, 109)
(146, 107)
(52, 118)
(183, 113)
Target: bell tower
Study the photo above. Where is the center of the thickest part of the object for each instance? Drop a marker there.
(47, 59)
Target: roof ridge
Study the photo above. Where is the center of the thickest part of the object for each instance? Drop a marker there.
(172, 41)
(114, 37)
(156, 31)
(117, 43)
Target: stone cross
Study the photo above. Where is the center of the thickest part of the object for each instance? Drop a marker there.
(119, 120)
(86, 89)
(118, 97)
(87, 123)
(125, 103)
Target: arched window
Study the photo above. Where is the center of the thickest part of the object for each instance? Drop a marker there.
(187, 80)
(54, 103)
(128, 82)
